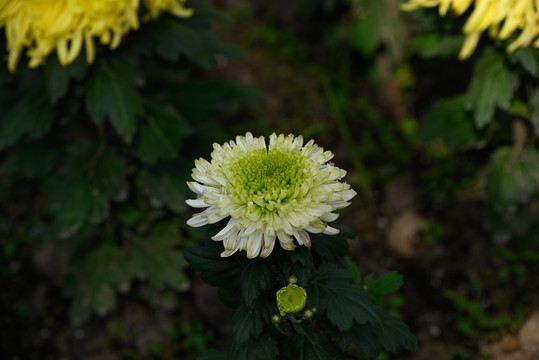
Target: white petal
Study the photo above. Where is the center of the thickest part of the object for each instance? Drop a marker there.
(227, 231)
(329, 217)
(286, 241)
(198, 220)
(303, 238)
(331, 231)
(254, 244)
(269, 244)
(197, 203)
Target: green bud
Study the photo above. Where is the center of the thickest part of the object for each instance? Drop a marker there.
(276, 319)
(292, 280)
(291, 299)
(308, 314)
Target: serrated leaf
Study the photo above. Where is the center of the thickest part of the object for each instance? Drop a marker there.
(491, 88)
(385, 284)
(214, 269)
(164, 187)
(161, 133)
(32, 115)
(32, 161)
(156, 259)
(93, 285)
(395, 334)
(330, 247)
(256, 276)
(262, 348)
(364, 338)
(309, 346)
(58, 77)
(527, 59)
(110, 93)
(72, 201)
(512, 178)
(333, 290)
(248, 324)
(90, 177)
(448, 120)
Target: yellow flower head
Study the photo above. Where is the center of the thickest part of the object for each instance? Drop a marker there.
(283, 190)
(42, 26)
(501, 17)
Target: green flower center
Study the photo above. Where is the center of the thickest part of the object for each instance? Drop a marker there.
(267, 178)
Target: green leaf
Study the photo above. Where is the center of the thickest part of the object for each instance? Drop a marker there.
(363, 37)
(72, 201)
(492, 87)
(161, 133)
(248, 324)
(448, 120)
(156, 259)
(433, 44)
(32, 115)
(330, 247)
(111, 93)
(309, 346)
(93, 285)
(385, 284)
(58, 77)
(164, 186)
(364, 338)
(527, 57)
(256, 276)
(32, 161)
(214, 269)
(395, 334)
(262, 348)
(333, 290)
(80, 191)
(512, 178)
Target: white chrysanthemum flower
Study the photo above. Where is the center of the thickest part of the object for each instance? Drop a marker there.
(281, 191)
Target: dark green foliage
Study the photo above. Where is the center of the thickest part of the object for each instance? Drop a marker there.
(385, 284)
(448, 120)
(330, 248)
(345, 310)
(307, 345)
(111, 93)
(161, 133)
(93, 286)
(434, 44)
(109, 146)
(32, 116)
(261, 348)
(332, 289)
(512, 178)
(491, 88)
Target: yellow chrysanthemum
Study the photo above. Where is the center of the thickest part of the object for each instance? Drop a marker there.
(42, 26)
(283, 190)
(501, 17)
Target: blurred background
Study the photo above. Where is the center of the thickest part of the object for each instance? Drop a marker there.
(94, 160)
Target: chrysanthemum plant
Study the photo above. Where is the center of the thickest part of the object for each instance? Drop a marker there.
(278, 262)
(99, 117)
(499, 107)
